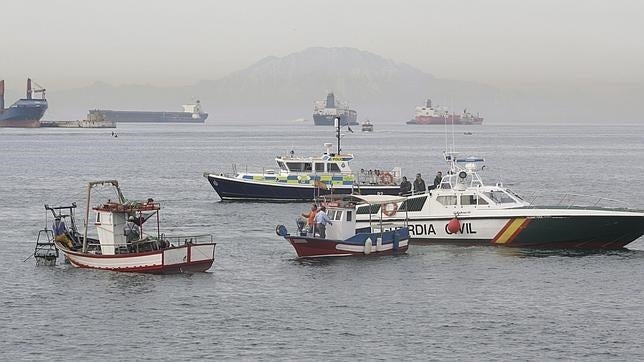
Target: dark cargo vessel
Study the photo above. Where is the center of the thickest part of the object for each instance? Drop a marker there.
(25, 112)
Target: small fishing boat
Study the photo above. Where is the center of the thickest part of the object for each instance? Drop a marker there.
(379, 237)
(464, 210)
(367, 126)
(123, 244)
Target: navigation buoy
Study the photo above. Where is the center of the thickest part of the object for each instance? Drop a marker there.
(367, 246)
(454, 226)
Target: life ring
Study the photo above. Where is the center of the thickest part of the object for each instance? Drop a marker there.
(386, 178)
(390, 209)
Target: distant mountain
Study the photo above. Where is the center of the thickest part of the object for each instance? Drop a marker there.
(284, 88)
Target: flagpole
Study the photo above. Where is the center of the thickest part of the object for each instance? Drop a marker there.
(337, 132)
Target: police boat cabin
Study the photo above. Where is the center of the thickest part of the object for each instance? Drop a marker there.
(462, 209)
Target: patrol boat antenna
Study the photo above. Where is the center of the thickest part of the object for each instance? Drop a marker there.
(337, 132)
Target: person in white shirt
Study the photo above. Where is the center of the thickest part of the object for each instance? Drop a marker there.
(321, 220)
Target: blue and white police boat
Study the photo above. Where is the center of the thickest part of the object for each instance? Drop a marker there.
(463, 210)
(378, 237)
(306, 178)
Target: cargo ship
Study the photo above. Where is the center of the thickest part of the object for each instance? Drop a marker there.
(429, 114)
(191, 114)
(325, 112)
(25, 112)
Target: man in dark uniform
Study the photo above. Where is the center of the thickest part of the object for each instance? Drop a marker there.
(405, 187)
(419, 184)
(437, 179)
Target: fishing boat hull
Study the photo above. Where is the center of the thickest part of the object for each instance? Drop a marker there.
(173, 260)
(542, 229)
(232, 188)
(369, 244)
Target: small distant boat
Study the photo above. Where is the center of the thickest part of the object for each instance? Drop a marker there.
(367, 126)
(122, 243)
(467, 133)
(343, 239)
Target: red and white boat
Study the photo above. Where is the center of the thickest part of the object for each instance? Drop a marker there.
(429, 114)
(152, 252)
(342, 237)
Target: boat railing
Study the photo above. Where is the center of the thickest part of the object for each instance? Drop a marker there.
(378, 177)
(573, 200)
(149, 243)
(180, 240)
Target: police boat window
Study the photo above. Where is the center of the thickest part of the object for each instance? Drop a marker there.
(472, 200)
(319, 167)
(299, 166)
(98, 217)
(499, 197)
(333, 167)
(282, 166)
(447, 200)
(349, 214)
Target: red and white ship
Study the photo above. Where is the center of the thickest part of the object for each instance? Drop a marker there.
(123, 244)
(428, 114)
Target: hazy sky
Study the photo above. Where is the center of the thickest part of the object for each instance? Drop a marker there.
(502, 42)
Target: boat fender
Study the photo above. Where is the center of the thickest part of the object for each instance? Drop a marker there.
(280, 230)
(453, 226)
(390, 209)
(378, 244)
(367, 246)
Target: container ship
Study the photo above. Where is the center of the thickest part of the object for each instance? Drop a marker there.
(191, 114)
(428, 114)
(25, 112)
(325, 112)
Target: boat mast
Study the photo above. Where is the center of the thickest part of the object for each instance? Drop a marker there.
(337, 132)
(89, 194)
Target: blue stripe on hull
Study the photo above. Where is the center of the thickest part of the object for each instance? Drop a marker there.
(230, 189)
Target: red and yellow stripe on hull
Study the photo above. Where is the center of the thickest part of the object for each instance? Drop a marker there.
(510, 231)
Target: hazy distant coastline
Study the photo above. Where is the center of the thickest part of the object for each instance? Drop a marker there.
(380, 89)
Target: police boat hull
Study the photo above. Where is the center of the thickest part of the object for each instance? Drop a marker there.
(232, 188)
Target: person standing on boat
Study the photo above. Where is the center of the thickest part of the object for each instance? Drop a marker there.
(437, 180)
(405, 186)
(419, 185)
(60, 233)
(310, 219)
(131, 230)
(321, 220)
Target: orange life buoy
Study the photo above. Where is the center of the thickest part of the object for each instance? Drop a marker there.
(386, 178)
(390, 209)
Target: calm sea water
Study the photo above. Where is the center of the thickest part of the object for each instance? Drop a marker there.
(258, 302)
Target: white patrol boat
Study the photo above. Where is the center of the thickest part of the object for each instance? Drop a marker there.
(462, 209)
(306, 178)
